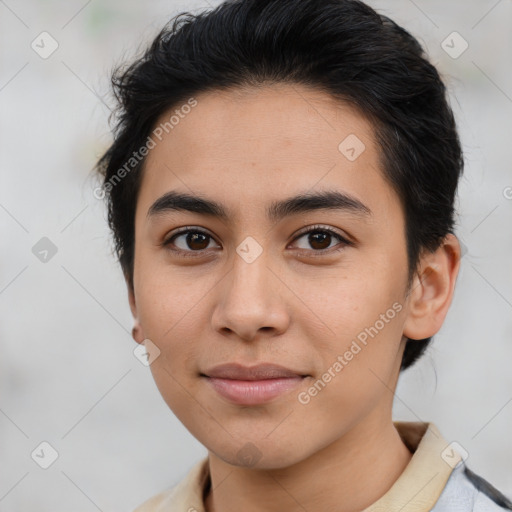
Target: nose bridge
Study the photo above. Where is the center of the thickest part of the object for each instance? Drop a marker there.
(250, 296)
(249, 278)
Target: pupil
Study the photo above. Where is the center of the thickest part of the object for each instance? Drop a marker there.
(317, 237)
(194, 237)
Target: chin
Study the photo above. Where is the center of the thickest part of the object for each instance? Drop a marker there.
(259, 454)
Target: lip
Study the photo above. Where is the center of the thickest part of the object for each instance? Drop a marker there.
(260, 371)
(252, 385)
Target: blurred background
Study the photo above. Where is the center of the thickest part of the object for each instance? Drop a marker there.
(68, 374)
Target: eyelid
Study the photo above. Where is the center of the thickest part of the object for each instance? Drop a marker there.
(322, 227)
(185, 229)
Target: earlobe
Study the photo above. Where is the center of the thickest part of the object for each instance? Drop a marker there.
(137, 334)
(432, 290)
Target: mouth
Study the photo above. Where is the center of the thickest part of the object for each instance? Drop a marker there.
(252, 385)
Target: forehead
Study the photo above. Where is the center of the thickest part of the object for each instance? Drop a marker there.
(278, 118)
(255, 145)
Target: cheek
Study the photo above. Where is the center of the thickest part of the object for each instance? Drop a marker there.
(358, 369)
(347, 301)
(169, 297)
(169, 317)
(174, 327)
(362, 321)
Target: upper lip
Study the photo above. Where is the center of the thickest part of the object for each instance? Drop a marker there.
(258, 372)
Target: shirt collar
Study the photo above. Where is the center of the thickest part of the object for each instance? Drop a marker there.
(416, 490)
(424, 478)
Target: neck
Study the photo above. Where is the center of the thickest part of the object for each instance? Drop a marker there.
(345, 476)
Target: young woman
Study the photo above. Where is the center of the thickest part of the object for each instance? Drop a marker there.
(281, 191)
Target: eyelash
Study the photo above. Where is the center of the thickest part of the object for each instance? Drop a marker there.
(313, 229)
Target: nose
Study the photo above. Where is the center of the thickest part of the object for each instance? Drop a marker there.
(251, 300)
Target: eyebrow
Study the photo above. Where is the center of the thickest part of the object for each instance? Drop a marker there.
(301, 203)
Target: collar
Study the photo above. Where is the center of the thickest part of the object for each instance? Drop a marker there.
(416, 490)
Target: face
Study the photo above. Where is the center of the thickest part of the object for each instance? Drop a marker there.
(315, 286)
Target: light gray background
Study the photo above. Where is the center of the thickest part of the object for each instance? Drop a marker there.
(68, 375)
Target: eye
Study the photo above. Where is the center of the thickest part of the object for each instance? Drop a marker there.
(193, 240)
(190, 240)
(320, 239)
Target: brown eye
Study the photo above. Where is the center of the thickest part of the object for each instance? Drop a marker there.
(197, 241)
(320, 239)
(189, 241)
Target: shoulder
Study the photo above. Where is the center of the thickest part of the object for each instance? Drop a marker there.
(466, 491)
(186, 495)
(155, 503)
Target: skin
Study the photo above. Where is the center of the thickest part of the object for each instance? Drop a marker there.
(244, 149)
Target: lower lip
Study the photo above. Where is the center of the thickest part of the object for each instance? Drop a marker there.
(253, 392)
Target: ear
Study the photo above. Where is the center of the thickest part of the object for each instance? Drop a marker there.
(137, 333)
(432, 290)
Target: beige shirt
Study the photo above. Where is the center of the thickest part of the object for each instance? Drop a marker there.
(416, 490)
